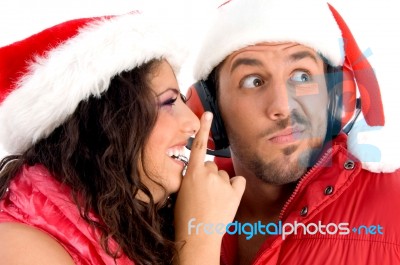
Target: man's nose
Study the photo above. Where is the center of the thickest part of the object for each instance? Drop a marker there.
(278, 101)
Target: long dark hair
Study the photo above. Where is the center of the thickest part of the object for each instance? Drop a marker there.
(97, 153)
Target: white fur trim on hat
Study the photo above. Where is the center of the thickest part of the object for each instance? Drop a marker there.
(81, 67)
(378, 148)
(242, 23)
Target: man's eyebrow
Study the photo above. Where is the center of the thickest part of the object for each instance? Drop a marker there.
(245, 61)
(301, 55)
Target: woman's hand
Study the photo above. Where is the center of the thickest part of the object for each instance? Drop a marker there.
(207, 201)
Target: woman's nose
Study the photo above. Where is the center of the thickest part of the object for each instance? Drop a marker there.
(191, 123)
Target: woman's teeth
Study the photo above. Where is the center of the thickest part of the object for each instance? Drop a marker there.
(178, 153)
(181, 158)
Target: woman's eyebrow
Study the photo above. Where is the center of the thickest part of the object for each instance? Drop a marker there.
(177, 91)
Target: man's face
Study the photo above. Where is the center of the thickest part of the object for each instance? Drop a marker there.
(273, 100)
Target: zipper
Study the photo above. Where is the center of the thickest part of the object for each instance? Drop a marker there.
(317, 165)
(322, 160)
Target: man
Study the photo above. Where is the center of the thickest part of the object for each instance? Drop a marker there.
(284, 81)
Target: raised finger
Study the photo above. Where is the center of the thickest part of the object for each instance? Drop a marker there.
(199, 145)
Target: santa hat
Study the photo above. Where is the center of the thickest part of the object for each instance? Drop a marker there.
(313, 23)
(44, 77)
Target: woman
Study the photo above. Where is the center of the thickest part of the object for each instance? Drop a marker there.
(92, 111)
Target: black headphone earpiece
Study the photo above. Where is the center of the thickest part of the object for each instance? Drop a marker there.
(207, 94)
(337, 123)
(334, 82)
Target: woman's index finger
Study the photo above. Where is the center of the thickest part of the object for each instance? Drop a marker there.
(199, 146)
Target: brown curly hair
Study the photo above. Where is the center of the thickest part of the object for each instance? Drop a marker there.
(97, 153)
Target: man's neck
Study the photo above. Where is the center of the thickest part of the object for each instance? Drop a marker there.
(262, 201)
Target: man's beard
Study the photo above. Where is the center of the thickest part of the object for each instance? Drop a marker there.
(278, 171)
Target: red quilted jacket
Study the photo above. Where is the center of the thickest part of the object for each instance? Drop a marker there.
(337, 190)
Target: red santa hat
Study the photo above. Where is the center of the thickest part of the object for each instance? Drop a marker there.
(313, 23)
(44, 77)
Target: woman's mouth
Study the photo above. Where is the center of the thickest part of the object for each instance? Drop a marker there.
(181, 158)
(178, 153)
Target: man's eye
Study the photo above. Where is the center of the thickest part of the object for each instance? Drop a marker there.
(251, 82)
(300, 76)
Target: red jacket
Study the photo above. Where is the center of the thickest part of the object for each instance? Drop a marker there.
(337, 190)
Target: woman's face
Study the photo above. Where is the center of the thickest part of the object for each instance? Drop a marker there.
(174, 125)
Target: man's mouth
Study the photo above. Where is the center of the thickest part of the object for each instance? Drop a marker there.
(288, 135)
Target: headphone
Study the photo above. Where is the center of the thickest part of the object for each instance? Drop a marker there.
(334, 78)
(201, 97)
(343, 107)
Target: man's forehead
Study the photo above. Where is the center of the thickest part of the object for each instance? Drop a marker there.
(291, 52)
(274, 47)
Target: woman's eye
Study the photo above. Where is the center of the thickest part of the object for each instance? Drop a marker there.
(300, 76)
(251, 82)
(169, 102)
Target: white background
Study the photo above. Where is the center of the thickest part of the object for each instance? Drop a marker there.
(374, 24)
